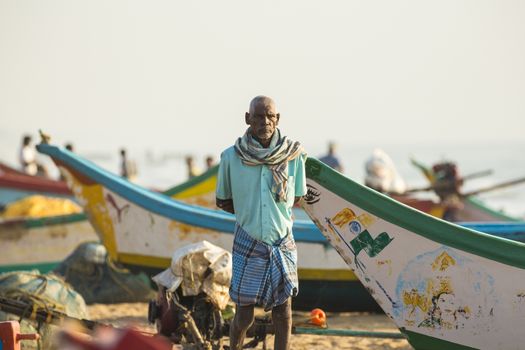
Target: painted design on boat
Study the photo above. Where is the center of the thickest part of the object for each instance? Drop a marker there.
(354, 230)
(446, 286)
(427, 297)
(312, 195)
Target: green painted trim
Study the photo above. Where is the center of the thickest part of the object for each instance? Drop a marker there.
(55, 220)
(194, 181)
(424, 342)
(477, 203)
(481, 244)
(42, 267)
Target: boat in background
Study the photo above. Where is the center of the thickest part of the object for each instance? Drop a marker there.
(472, 209)
(142, 229)
(42, 243)
(15, 185)
(445, 286)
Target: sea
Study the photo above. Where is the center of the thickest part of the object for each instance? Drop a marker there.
(162, 169)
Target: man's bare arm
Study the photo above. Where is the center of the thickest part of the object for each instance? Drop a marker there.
(225, 204)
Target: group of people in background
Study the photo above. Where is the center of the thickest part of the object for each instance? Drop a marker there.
(128, 167)
(381, 174)
(194, 170)
(30, 164)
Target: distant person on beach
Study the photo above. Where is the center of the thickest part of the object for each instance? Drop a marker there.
(27, 158)
(259, 180)
(210, 162)
(128, 168)
(330, 159)
(192, 168)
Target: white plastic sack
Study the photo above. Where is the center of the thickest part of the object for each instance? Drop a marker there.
(189, 266)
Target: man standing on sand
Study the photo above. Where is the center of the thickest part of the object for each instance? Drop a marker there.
(260, 178)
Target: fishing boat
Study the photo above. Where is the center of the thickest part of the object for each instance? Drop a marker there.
(445, 286)
(41, 243)
(15, 185)
(142, 229)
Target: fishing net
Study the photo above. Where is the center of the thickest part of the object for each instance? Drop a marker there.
(47, 292)
(89, 270)
(38, 206)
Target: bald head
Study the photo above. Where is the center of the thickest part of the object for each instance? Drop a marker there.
(261, 101)
(262, 118)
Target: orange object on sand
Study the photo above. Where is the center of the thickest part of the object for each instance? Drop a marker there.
(10, 335)
(318, 317)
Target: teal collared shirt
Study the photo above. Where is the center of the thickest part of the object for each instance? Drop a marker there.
(250, 187)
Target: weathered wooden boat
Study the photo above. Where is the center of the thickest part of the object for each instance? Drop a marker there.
(44, 242)
(15, 185)
(41, 243)
(141, 229)
(445, 286)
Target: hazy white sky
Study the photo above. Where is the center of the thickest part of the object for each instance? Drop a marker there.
(180, 74)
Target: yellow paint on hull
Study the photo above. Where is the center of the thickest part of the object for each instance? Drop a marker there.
(203, 188)
(97, 211)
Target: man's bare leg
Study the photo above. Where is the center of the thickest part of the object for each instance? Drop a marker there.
(242, 321)
(282, 322)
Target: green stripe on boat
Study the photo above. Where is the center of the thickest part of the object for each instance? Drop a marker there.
(42, 267)
(192, 182)
(424, 342)
(54, 220)
(490, 247)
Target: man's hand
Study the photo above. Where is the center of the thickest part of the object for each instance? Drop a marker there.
(297, 199)
(225, 204)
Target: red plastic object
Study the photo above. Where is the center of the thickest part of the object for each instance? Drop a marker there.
(10, 335)
(115, 339)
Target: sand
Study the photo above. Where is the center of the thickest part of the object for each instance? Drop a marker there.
(135, 314)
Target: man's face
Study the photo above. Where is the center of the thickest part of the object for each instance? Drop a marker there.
(263, 120)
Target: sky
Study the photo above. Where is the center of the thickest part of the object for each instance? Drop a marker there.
(179, 75)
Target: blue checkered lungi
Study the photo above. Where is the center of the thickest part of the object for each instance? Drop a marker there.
(263, 274)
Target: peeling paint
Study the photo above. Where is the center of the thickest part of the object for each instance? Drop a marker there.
(388, 263)
(426, 291)
(343, 217)
(443, 261)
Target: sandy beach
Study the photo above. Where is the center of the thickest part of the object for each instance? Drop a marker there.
(135, 314)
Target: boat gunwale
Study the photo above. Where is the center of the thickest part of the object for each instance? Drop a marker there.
(163, 205)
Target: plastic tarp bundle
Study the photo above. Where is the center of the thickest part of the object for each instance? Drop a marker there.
(94, 276)
(381, 174)
(45, 291)
(199, 268)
